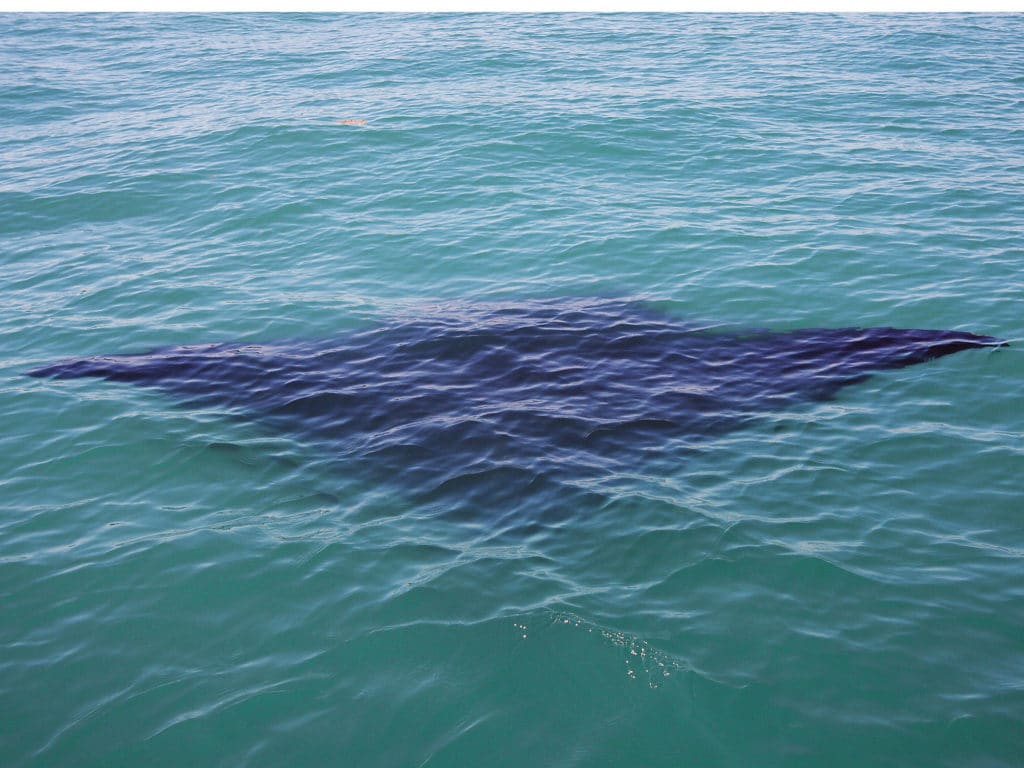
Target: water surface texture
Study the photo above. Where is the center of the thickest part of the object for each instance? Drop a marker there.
(830, 579)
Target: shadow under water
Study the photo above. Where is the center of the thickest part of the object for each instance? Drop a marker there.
(484, 406)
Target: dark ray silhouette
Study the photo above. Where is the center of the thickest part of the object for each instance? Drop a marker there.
(487, 403)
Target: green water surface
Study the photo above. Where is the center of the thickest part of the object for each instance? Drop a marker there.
(839, 585)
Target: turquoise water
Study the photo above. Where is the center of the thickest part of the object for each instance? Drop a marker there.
(837, 584)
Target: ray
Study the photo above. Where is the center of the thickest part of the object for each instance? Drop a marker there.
(493, 402)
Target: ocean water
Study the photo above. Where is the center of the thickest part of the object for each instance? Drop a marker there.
(839, 582)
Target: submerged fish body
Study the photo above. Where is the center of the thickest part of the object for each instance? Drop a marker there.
(520, 394)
